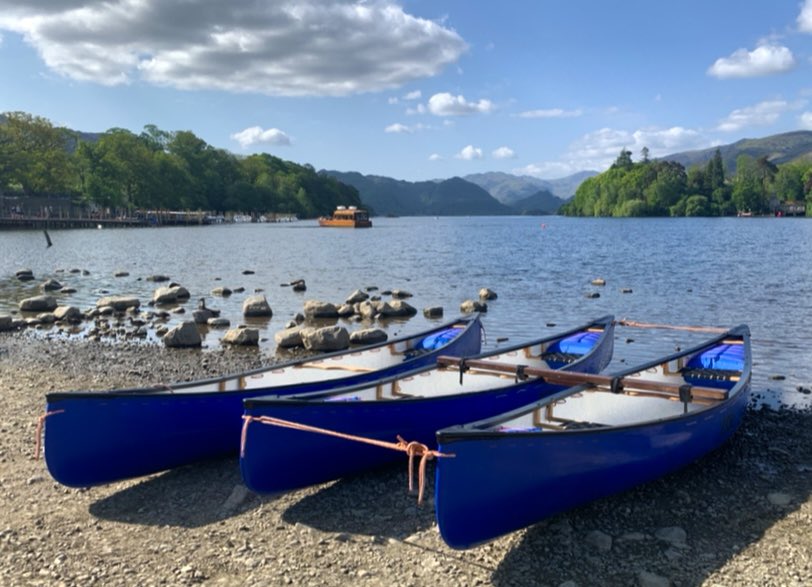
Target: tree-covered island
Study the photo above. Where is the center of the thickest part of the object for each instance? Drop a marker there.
(664, 188)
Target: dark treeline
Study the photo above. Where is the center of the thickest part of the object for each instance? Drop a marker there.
(156, 169)
(665, 188)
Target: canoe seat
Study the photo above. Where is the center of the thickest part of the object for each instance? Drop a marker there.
(558, 359)
(721, 378)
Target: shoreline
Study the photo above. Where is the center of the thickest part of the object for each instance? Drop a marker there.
(746, 509)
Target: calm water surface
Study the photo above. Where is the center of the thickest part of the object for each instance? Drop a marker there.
(705, 272)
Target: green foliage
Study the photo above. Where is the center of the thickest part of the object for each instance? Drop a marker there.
(158, 170)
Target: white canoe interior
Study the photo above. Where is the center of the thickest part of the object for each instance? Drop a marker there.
(646, 396)
(317, 369)
(445, 379)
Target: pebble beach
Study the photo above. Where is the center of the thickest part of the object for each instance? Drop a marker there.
(740, 516)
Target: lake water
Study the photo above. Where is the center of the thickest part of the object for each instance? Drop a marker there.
(699, 272)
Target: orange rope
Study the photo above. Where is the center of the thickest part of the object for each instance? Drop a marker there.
(413, 449)
(635, 324)
(40, 424)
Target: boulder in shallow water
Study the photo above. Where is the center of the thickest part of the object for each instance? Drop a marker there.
(38, 304)
(289, 337)
(24, 275)
(118, 303)
(469, 306)
(50, 285)
(184, 334)
(433, 312)
(70, 314)
(317, 309)
(368, 336)
(6, 323)
(487, 294)
(256, 307)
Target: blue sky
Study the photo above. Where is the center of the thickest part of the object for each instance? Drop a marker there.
(418, 89)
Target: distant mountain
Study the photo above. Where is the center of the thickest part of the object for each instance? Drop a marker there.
(780, 148)
(451, 197)
(510, 189)
(542, 202)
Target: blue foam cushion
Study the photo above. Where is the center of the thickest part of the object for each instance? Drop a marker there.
(438, 339)
(577, 344)
(726, 357)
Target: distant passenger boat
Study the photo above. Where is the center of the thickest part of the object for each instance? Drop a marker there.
(344, 217)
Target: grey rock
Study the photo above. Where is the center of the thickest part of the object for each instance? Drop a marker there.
(367, 309)
(42, 303)
(299, 285)
(242, 337)
(121, 274)
(237, 497)
(329, 338)
(6, 323)
(183, 335)
(357, 296)
(469, 306)
(218, 322)
(599, 281)
(256, 306)
(317, 309)
(779, 499)
(396, 308)
(165, 295)
(221, 291)
(157, 278)
(433, 312)
(118, 303)
(400, 294)
(289, 337)
(70, 314)
(487, 294)
(346, 310)
(368, 336)
(24, 275)
(50, 285)
(67, 290)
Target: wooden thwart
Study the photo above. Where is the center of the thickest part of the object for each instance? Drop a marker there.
(572, 378)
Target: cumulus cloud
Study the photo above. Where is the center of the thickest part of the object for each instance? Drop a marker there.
(805, 17)
(288, 47)
(469, 153)
(503, 153)
(762, 114)
(599, 149)
(415, 95)
(446, 104)
(805, 120)
(763, 60)
(255, 135)
(397, 128)
(435, 157)
(551, 113)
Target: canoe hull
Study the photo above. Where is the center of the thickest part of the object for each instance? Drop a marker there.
(97, 438)
(502, 480)
(309, 458)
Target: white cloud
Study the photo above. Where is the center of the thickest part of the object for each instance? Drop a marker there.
(288, 47)
(805, 120)
(805, 17)
(397, 128)
(599, 149)
(469, 153)
(255, 135)
(551, 113)
(503, 153)
(763, 60)
(393, 100)
(762, 114)
(415, 95)
(435, 157)
(419, 109)
(446, 104)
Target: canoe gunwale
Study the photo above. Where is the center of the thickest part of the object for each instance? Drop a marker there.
(184, 388)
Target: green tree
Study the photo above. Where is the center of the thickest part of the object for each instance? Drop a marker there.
(748, 187)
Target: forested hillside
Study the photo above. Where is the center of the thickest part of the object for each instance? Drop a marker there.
(156, 169)
(665, 188)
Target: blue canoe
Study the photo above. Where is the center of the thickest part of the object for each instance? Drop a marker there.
(99, 437)
(589, 441)
(414, 407)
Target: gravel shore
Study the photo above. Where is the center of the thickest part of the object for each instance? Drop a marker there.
(741, 516)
